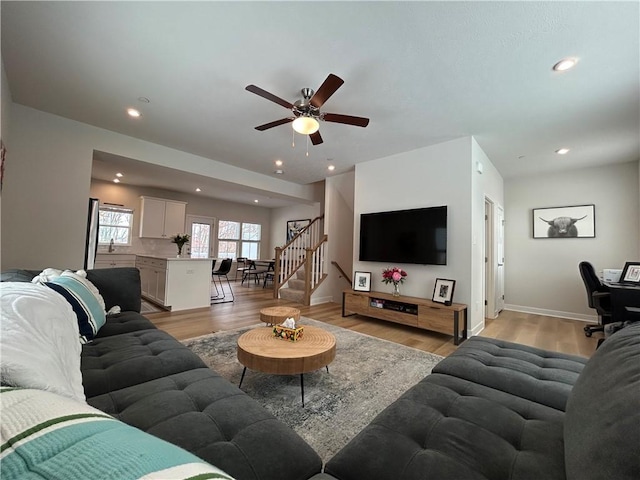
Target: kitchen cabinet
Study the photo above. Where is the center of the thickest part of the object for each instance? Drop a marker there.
(160, 218)
(176, 283)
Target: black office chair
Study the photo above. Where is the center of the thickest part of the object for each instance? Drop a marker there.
(598, 297)
(223, 271)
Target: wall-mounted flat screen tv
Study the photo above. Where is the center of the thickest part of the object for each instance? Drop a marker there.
(405, 236)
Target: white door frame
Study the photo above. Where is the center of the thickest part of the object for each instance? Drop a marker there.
(493, 266)
(489, 272)
(191, 219)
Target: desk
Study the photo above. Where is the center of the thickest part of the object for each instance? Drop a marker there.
(623, 296)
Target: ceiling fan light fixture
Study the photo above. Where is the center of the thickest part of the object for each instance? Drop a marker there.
(305, 125)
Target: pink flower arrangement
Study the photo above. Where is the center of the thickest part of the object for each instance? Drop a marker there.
(393, 275)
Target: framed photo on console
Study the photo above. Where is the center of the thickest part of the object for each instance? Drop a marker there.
(443, 291)
(631, 273)
(362, 281)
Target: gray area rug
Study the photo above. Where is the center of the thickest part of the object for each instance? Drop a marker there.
(367, 375)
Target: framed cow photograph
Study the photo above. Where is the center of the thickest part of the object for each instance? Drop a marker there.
(578, 221)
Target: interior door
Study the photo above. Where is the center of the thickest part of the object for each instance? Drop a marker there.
(499, 302)
(201, 243)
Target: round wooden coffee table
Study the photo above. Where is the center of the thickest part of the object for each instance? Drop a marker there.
(277, 315)
(259, 350)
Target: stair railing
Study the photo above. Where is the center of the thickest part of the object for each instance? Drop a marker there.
(291, 257)
(314, 268)
(342, 272)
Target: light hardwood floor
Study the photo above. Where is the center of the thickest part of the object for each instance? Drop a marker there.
(550, 333)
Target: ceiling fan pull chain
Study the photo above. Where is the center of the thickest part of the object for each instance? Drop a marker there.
(293, 138)
(307, 145)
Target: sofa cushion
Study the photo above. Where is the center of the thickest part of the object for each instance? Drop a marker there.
(18, 275)
(448, 428)
(46, 436)
(39, 340)
(205, 414)
(602, 429)
(118, 286)
(119, 361)
(125, 322)
(542, 376)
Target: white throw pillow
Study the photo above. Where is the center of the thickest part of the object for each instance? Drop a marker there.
(39, 340)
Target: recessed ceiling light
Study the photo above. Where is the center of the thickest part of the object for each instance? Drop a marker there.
(144, 100)
(198, 189)
(279, 163)
(279, 172)
(116, 180)
(331, 167)
(119, 175)
(562, 151)
(565, 64)
(133, 112)
(256, 201)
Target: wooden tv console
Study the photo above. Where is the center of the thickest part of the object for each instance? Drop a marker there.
(413, 311)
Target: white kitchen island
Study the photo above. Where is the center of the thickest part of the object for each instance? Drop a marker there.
(175, 283)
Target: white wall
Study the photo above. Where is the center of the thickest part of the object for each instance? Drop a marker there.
(339, 216)
(48, 177)
(542, 274)
(5, 105)
(129, 196)
(432, 176)
(5, 115)
(280, 217)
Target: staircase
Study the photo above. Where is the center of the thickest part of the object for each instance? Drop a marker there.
(295, 290)
(299, 265)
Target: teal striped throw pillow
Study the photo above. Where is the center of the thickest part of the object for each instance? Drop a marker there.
(84, 302)
(51, 437)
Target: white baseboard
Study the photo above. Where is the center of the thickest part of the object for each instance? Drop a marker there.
(475, 330)
(553, 313)
(319, 300)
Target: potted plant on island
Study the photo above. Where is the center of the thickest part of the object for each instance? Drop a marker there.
(180, 239)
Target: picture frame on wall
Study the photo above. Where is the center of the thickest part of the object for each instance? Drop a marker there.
(443, 291)
(577, 221)
(295, 226)
(362, 281)
(631, 273)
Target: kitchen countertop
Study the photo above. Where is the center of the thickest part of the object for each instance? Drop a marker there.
(181, 259)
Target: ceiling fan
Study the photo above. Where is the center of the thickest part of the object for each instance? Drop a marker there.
(306, 111)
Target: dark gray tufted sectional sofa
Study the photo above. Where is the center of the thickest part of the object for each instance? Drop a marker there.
(146, 378)
(498, 410)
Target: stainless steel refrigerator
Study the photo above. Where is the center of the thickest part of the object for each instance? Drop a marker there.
(93, 223)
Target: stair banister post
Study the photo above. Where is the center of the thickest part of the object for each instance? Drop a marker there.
(307, 276)
(276, 273)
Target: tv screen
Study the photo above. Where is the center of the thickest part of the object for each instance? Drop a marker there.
(405, 236)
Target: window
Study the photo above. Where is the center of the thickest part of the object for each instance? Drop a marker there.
(234, 237)
(115, 224)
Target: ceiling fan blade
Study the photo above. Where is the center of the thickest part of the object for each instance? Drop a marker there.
(316, 139)
(276, 123)
(347, 119)
(269, 96)
(328, 88)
